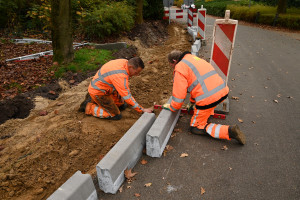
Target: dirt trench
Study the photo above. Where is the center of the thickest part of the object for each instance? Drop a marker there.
(39, 153)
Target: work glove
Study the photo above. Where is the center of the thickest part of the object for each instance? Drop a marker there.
(190, 106)
(166, 106)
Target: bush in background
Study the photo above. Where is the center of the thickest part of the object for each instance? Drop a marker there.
(153, 9)
(107, 19)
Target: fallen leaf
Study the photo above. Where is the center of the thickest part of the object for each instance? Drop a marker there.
(137, 195)
(253, 122)
(240, 120)
(184, 155)
(276, 101)
(71, 81)
(278, 95)
(51, 92)
(128, 174)
(144, 162)
(169, 147)
(266, 87)
(150, 62)
(202, 191)
(224, 148)
(121, 189)
(235, 98)
(43, 113)
(230, 168)
(60, 103)
(129, 186)
(289, 97)
(148, 184)
(56, 112)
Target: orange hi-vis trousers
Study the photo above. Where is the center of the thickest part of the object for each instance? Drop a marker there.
(104, 106)
(200, 118)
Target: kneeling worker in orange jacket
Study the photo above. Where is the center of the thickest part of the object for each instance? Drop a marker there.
(207, 89)
(109, 89)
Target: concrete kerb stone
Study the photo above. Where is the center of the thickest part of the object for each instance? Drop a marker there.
(192, 31)
(79, 186)
(196, 47)
(160, 132)
(110, 46)
(124, 155)
(223, 107)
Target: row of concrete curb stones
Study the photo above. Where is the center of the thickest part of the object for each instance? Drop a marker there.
(106, 46)
(148, 131)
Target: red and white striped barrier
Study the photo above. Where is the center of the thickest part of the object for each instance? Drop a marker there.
(222, 45)
(190, 17)
(201, 23)
(175, 14)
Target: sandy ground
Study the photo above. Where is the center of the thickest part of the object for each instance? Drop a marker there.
(39, 153)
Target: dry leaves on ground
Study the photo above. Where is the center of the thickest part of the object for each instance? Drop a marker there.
(202, 190)
(144, 162)
(184, 155)
(129, 174)
(148, 184)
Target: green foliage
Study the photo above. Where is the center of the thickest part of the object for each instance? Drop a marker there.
(153, 9)
(85, 60)
(108, 19)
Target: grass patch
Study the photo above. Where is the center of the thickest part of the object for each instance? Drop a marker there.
(85, 60)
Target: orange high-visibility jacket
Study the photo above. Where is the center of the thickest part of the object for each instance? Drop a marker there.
(114, 76)
(196, 76)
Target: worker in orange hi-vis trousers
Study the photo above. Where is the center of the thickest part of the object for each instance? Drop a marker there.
(207, 89)
(108, 92)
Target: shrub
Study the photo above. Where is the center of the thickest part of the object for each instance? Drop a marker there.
(108, 19)
(153, 9)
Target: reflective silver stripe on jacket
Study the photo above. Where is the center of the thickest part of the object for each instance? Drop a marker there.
(200, 80)
(101, 78)
(177, 99)
(173, 107)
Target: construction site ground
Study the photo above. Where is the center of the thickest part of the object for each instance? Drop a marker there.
(39, 153)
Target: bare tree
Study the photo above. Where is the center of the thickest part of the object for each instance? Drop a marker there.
(139, 11)
(62, 41)
(282, 4)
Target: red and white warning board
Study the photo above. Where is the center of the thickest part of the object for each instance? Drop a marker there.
(190, 17)
(201, 23)
(173, 14)
(222, 45)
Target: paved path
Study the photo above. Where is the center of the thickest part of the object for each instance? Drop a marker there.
(265, 67)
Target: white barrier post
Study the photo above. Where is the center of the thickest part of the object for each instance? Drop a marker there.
(222, 45)
(201, 23)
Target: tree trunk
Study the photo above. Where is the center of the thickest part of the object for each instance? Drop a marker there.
(139, 11)
(281, 9)
(62, 41)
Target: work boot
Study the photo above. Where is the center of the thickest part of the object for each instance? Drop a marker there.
(83, 104)
(123, 107)
(236, 133)
(117, 117)
(197, 131)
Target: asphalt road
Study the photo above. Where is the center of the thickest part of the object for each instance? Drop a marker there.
(264, 75)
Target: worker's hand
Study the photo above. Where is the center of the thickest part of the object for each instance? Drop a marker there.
(148, 110)
(190, 106)
(166, 106)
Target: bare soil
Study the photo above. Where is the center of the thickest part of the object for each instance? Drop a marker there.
(39, 153)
